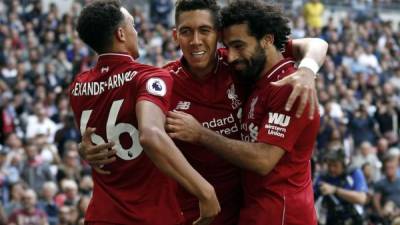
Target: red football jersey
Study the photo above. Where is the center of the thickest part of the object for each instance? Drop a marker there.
(105, 97)
(266, 120)
(214, 102)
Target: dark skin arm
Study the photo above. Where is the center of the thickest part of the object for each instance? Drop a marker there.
(303, 80)
(257, 157)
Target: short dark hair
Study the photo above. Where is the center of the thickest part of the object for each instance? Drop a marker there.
(182, 6)
(336, 156)
(97, 23)
(261, 18)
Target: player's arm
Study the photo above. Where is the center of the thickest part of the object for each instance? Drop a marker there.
(311, 52)
(311, 48)
(166, 156)
(96, 155)
(257, 157)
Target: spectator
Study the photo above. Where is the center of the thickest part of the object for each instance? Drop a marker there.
(29, 214)
(363, 126)
(66, 215)
(47, 203)
(386, 197)
(388, 118)
(342, 191)
(69, 193)
(367, 154)
(68, 133)
(160, 12)
(34, 170)
(15, 202)
(39, 123)
(70, 167)
(313, 11)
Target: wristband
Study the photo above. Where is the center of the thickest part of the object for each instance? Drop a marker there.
(310, 64)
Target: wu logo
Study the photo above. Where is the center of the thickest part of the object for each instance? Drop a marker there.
(279, 119)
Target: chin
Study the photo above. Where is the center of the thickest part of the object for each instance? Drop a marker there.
(198, 65)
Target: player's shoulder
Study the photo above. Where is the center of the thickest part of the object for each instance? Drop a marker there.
(144, 70)
(80, 78)
(83, 76)
(173, 66)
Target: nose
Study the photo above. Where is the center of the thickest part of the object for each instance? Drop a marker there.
(195, 39)
(232, 55)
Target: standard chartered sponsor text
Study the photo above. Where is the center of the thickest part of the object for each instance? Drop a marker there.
(224, 126)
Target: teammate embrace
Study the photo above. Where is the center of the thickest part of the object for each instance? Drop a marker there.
(211, 86)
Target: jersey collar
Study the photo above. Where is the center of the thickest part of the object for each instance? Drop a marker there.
(273, 73)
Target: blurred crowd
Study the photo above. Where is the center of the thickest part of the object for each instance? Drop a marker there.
(42, 179)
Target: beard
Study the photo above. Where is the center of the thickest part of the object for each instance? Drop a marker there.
(252, 67)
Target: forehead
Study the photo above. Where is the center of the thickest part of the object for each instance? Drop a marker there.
(237, 32)
(195, 18)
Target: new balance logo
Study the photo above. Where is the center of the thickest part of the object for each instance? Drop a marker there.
(182, 105)
(278, 119)
(105, 69)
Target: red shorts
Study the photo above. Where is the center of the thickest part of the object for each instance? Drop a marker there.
(274, 209)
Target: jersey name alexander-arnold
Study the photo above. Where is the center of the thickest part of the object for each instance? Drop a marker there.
(97, 88)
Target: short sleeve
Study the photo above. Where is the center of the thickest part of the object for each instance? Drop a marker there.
(156, 88)
(280, 127)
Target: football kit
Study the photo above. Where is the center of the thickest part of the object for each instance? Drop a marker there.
(215, 102)
(285, 195)
(105, 97)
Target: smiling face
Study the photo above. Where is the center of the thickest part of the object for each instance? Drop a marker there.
(197, 37)
(245, 53)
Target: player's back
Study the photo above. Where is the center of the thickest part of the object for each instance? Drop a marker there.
(135, 192)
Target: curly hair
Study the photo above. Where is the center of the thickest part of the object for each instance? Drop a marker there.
(262, 19)
(182, 6)
(97, 23)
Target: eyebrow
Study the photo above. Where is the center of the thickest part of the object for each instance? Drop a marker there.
(234, 42)
(201, 27)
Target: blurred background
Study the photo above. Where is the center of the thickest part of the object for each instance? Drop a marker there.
(40, 52)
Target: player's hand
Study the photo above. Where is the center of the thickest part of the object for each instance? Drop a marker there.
(303, 83)
(209, 208)
(183, 126)
(96, 155)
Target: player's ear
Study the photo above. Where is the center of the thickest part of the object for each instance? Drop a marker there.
(175, 35)
(120, 34)
(267, 40)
